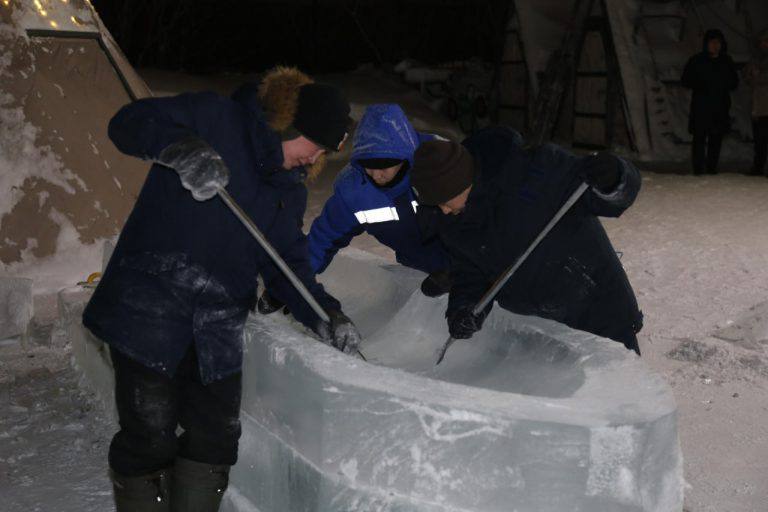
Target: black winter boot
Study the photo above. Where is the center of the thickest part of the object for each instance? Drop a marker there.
(148, 493)
(198, 487)
(436, 284)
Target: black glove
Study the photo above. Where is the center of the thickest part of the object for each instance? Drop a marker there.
(437, 284)
(341, 333)
(200, 167)
(601, 171)
(268, 304)
(463, 323)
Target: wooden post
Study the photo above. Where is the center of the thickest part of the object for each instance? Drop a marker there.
(558, 75)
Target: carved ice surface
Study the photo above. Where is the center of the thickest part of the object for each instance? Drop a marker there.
(529, 416)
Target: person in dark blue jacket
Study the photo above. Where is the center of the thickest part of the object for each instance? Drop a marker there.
(175, 295)
(491, 196)
(373, 194)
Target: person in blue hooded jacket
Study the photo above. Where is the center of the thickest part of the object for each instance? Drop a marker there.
(373, 194)
(175, 295)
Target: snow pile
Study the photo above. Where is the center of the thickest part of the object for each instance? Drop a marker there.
(750, 331)
(21, 159)
(72, 262)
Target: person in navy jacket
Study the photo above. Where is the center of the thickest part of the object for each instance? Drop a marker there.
(373, 194)
(488, 199)
(175, 295)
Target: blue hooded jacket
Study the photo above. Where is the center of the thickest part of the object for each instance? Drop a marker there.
(184, 272)
(358, 205)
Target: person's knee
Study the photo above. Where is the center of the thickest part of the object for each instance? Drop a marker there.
(212, 444)
(147, 407)
(147, 411)
(134, 453)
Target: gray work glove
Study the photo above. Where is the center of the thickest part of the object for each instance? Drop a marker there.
(200, 167)
(341, 333)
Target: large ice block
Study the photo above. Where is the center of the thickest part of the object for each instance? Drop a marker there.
(90, 355)
(16, 307)
(528, 416)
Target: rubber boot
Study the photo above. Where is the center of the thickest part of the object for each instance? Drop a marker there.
(198, 487)
(148, 493)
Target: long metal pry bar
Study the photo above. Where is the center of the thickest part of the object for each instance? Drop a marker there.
(276, 258)
(503, 278)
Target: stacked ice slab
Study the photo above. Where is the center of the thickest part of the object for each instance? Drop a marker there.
(16, 307)
(529, 416)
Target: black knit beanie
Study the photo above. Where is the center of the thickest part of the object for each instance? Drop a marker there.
(441, 171)
(322, 115)
(379, 163)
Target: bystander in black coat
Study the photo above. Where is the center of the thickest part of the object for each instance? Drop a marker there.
(711, 78)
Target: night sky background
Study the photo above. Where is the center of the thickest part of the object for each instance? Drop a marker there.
(208, 36)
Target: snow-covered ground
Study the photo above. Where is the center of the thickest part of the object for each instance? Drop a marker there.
(695, 248)
(53, 438)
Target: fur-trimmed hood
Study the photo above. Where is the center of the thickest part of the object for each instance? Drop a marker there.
(277, 97)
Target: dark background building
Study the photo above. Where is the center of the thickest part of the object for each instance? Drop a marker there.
(317, 35)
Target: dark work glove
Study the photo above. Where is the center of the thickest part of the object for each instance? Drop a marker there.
(268, 304)
(601, 171)
(200, 167)
(341, 333)
(463, 323)
(437, 284)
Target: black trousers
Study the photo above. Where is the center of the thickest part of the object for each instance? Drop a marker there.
(151, 406)
(760, 134)
(706, 151)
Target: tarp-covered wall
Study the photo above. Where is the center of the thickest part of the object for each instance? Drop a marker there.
(650, 41)
(63, 185)
(654, 41)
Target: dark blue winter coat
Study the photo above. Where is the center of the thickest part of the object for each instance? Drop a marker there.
(574, 275)
(184, 272)
(358, 205)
